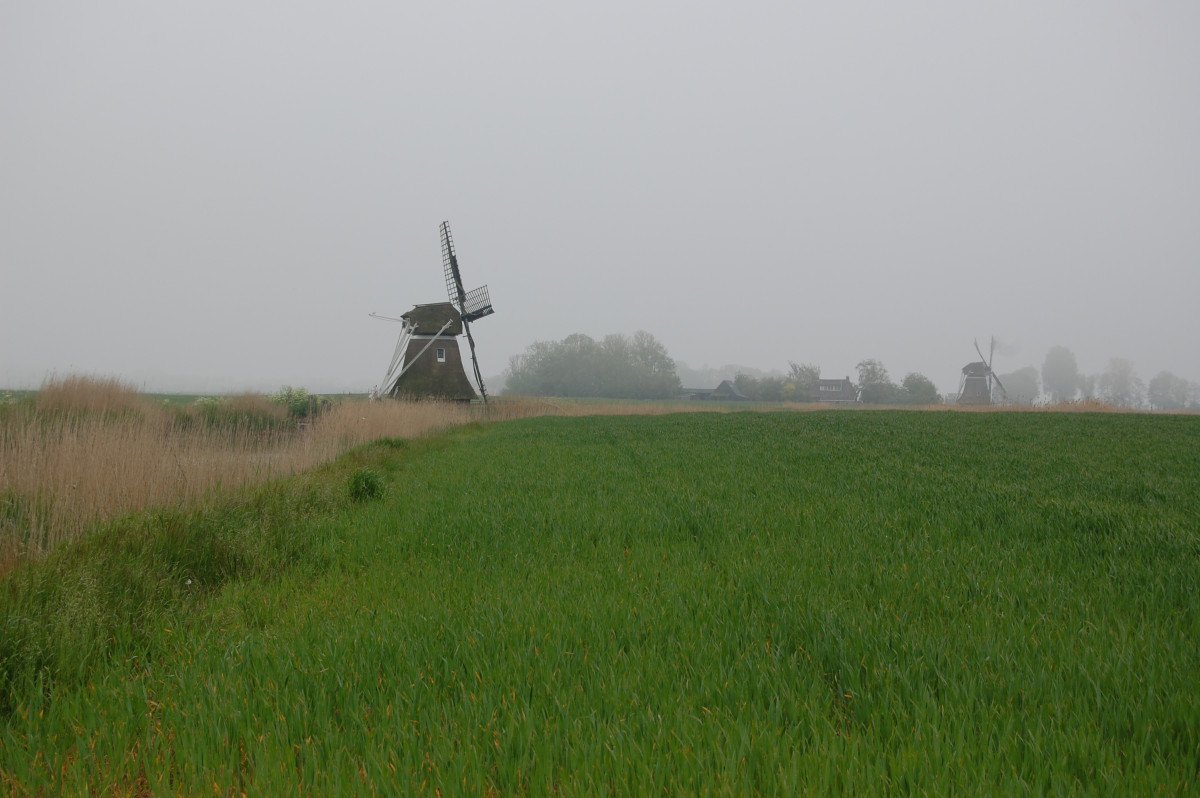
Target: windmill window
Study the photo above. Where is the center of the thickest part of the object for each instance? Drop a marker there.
(441, 355)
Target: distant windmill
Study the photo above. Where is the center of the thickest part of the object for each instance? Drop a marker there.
(975, 385)
(417, 372)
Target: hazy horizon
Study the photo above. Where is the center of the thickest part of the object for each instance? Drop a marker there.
(212, 198)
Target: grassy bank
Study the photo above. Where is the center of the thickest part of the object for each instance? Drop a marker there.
(781, 603)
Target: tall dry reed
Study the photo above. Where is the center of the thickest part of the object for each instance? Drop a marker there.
(88, 450)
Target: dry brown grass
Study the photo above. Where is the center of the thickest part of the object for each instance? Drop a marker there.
(77, 394)
(1074, 406)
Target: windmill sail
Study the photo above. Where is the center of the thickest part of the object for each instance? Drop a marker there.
(477, 303)
(471, 305)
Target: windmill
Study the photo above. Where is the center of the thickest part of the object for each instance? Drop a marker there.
(417, 372)
(975, 385)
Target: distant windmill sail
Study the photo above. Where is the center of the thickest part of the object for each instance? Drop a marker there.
(991, 375)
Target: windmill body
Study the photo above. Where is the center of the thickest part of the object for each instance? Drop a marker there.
(427, 362)
(431, 363)
(975, 385)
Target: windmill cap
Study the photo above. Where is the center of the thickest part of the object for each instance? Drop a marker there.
(430, 318)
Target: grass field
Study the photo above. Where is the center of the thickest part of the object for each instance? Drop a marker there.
(782, 603)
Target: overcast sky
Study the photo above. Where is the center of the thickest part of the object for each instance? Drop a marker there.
(213, 196)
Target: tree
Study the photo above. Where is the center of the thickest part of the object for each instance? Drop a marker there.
(1087, 386)
(917, 389)
(770, 389)
(874, 385)
(1060, 374)
(1168, 392)
(1119, 385)
(748, 386)
(804, 380)
(1021, 386)
(579, 366)
(651, 354)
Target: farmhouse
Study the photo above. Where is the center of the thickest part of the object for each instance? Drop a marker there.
(836, 391)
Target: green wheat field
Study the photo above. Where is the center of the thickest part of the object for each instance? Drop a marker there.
(887, 602)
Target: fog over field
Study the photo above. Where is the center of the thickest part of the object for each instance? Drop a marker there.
(214, 196)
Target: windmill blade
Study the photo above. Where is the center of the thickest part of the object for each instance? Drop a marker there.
(397, 361)
(982, 359)
(454, 286)
(475, 361)
(477, 304)
(1003, 390)
(471, 305)
(991, 352)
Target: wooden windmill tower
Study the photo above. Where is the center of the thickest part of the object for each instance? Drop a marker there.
(427, 362)
(975, 385)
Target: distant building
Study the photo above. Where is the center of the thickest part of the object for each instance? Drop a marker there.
(836, 391)
(725, 392)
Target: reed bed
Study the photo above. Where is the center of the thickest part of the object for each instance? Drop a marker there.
(85, 450)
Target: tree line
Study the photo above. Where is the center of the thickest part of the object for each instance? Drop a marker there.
(874, 386)
(617, 367)
(1119, 384)
(639, 367)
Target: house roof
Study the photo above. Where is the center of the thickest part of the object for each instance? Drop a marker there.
(727, 390)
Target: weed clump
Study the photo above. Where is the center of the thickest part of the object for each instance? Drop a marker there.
(365, 484)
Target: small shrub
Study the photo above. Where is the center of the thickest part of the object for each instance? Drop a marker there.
(247, 412)
(300, 403)
(365, 484)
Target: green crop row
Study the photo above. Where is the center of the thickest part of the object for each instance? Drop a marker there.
(778, 603)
